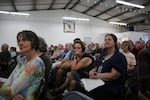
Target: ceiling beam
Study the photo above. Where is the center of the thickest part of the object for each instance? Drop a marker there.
(144, 29)
(86, 14)
(140, 21)
(68, 4)
(139, 15)
(119, 14)
(106, 10)
(34, 4)
(136, 22)
(145, 4)
(75, 4)
(14, 6)
(129, 18)
(51, 5)
(93, 6)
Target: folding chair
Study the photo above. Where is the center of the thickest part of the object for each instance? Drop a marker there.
(76, 95)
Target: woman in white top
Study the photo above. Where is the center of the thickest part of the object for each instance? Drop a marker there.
(129, 56)
(131, 63)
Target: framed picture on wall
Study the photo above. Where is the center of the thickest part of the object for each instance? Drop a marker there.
(69, 26)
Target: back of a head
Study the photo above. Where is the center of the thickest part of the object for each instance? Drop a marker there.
(12, 48)
(42, 47)
(4, 47)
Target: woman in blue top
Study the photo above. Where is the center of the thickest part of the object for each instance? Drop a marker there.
(111, 67)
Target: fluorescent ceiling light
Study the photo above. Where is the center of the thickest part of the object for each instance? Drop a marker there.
(118, 23)
(78, 19)
(14, 13)
(129, 4)
(4, 12)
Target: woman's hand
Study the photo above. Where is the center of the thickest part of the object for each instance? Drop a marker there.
(75, 62)
(93, 74)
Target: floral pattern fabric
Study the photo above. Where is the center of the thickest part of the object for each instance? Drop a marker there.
(25, 79)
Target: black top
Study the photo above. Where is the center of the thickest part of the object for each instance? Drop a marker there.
(83, 72)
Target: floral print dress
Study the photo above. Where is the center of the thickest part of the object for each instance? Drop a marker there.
(24, 80)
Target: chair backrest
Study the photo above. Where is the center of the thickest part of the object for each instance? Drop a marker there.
(76, 95)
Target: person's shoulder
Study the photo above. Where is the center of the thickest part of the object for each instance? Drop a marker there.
(131, 54)
(88, 55)
(70, 51)
(145, 52)
(37, 61)
(44, 56)
(119, 55)
(21, 59)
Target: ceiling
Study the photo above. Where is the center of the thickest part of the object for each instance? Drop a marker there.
(107, 10)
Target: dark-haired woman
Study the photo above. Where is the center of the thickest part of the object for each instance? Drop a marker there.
(26, 77)
(111, 67)
(80, 67)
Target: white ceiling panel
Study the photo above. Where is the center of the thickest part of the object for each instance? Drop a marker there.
(108, 10)
(104, 16)
(93, 12)
(24, 8)
(44, 6)
(80, 8)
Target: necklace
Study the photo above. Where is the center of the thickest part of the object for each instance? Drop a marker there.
(108, 56)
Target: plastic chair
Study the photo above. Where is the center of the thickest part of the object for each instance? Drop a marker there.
(76, 95)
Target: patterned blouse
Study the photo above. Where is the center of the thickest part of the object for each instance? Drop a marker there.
(25, 79)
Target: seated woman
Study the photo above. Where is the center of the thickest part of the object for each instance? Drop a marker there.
(26, 76)
(131, 60)
(111, 67)
(42, 89)
(79, 69)
(131, 63)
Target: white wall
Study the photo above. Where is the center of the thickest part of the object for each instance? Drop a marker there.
(49, 24)
(134, 36)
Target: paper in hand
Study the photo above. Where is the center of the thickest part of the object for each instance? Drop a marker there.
(90, 84)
